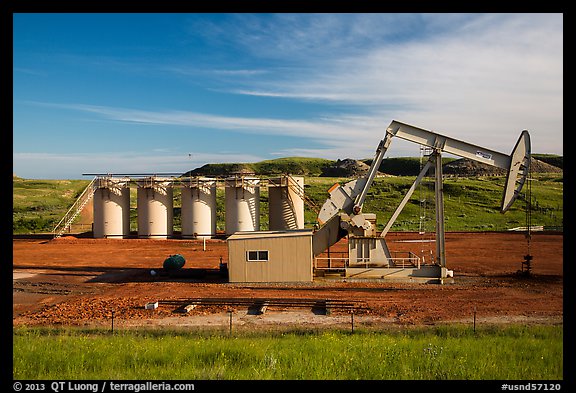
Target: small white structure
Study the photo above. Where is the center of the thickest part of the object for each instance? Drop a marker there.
(111, 208)
(286, 203)
(199, 208)
(151, 306)
(270, 256)
(242, 194)
(155, 208)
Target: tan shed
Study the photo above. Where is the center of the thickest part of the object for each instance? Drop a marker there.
(270, 256)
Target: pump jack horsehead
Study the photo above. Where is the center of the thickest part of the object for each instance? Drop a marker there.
(369, 256)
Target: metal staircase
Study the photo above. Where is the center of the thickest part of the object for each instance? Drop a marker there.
(75, 210)
(299, 190)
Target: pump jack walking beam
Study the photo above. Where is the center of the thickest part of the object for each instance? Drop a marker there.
(516, 163)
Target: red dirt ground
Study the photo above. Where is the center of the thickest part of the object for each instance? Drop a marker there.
(81, 281)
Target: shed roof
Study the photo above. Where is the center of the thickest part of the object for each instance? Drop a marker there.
(270, 234)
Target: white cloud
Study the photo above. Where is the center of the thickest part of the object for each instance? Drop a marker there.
(329, 129)
(196, 71)
(484, 77)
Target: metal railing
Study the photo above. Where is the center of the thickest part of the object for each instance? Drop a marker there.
(75, 209)
(411, 261)
(330, 263)
(299, 190)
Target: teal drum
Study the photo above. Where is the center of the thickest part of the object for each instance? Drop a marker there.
(174, 262)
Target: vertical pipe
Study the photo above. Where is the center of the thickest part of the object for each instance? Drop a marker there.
(440, 241)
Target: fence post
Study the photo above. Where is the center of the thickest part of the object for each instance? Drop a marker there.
(112, 321)
(230, 314)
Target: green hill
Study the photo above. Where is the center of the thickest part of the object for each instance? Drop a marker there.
(552, 159)
(38, 205)
(396, 166)
(293, 165)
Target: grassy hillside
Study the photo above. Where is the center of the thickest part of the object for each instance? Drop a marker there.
(551, 159)
(39, 204)
(471, 204)
(293, 165)
(397, 166)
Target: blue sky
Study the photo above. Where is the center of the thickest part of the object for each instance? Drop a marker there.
(140, 93)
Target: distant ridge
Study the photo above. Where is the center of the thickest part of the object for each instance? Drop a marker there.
(396, 166)
(467, 167)
(346, 168)
(292, 165)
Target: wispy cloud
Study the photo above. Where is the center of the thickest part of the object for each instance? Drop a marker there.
(239, 72)
(29, 71)
(479, 75)
(186, 70)
(329, 130)
(293, 37)
(483, 77)
(477, 59)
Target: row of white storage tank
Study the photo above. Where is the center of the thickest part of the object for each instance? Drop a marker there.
(198, 212)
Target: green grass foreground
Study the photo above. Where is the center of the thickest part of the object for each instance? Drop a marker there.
(431, 353)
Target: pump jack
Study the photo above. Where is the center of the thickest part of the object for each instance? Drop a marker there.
(369, 256)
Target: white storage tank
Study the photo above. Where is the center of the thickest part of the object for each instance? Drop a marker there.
(155, 206)
(199, 208)
(286, 203)
(111, 206)
(242, 194)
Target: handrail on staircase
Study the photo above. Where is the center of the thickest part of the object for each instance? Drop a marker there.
(300, 192)
(75, 209)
